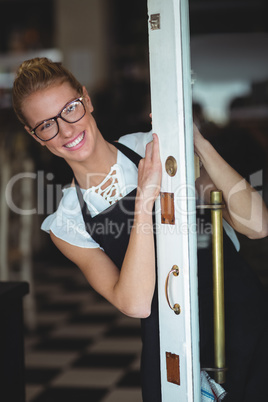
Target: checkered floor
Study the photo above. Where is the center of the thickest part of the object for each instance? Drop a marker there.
(82, 348)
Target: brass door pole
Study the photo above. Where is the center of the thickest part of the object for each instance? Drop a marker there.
(218, 285)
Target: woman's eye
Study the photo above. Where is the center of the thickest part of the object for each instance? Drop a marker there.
(47, 125)
(71, 108)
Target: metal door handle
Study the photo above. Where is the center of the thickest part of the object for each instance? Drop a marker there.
(175, 271)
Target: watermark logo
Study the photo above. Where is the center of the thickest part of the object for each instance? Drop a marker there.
(42, 196)
(42, 193)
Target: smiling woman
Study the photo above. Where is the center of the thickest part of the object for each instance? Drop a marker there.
(105, 221)
(115, 187)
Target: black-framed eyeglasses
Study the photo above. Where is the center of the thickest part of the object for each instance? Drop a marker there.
(71, 113)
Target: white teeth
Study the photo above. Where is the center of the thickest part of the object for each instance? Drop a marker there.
(76, 141)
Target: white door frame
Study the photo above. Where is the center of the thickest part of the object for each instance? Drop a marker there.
(171, 105)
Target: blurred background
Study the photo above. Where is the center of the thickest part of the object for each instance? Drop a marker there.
(105, 44)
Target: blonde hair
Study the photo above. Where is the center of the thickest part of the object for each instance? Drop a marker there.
(37, 74)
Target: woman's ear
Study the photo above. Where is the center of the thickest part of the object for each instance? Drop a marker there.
(87, 100)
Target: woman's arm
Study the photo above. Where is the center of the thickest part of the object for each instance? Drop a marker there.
(131, 289)
(245, 210)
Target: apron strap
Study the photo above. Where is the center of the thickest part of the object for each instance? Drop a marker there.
(84, 209)
(129, 153)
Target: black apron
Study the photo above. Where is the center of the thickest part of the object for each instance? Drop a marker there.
(119, 216)
(245, 307)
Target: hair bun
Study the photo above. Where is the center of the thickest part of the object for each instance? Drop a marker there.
(31, 64)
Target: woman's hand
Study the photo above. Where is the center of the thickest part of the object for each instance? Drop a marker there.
(149, 174)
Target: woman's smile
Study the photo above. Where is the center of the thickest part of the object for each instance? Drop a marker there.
(75, 144)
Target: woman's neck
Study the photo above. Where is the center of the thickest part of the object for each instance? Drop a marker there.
(92, 172)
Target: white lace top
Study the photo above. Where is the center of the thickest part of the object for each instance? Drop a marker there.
(67, 222)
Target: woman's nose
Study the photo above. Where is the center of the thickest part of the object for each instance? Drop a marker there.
(65, 129)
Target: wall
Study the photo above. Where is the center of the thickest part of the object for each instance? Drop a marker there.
(81, 34)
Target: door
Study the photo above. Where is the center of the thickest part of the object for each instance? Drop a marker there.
(171, 105)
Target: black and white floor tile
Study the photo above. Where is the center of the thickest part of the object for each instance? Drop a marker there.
(82, 348)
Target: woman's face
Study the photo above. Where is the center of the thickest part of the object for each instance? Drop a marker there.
(74, 141)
